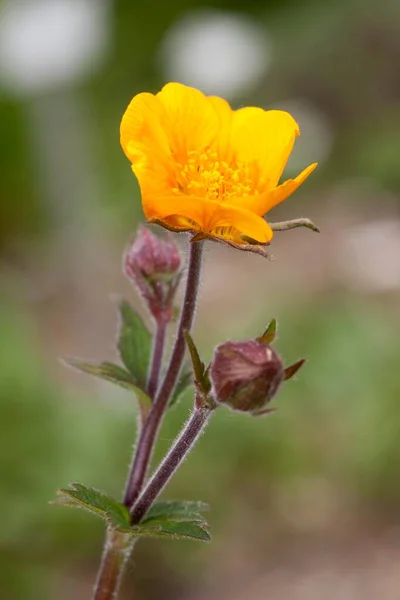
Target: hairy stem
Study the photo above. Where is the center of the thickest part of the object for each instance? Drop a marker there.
(179, 450)
(117, 549)
(156, 359)
(150, 428)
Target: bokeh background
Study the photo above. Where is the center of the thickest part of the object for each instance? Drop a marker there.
(305, 504)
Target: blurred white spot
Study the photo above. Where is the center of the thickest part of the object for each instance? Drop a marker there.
(220, 53)
(316, 139)
(369, 256)
(48, 43)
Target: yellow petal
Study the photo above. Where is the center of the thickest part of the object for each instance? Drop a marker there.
(245, 222)
(283, 191)
(262, 203)
(160, 206)
(225, 116)
(207, 216)
(143, 130)
(154, 180)
(192, 121)
(263, 139)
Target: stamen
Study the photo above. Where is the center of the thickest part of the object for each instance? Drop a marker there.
(205, 175)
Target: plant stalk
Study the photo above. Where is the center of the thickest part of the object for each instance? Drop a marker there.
(118, 546)
(150, 428)
(178, 452)
(156, 359)
(117, 549)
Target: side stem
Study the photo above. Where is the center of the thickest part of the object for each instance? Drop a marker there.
(182, 446)
(156, 360)
(151, 426)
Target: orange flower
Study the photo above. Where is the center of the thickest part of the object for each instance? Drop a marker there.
(204, 167)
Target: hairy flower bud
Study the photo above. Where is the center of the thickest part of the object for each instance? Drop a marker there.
(154, 266)
(246, 375)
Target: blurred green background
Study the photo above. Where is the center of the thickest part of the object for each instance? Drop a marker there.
(305, 504)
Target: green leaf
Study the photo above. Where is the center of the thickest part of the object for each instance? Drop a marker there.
(134, 343)
(178, 520)
(112, 373)
(178, 509)
(185, 381)
(105, 370)
(270, 333)
(174, 529)
(90, 499)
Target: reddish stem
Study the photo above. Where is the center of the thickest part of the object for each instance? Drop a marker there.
(117, 549)
(156, 359)
(184, 443)
(150, 428)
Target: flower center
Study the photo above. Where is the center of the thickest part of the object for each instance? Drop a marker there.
(205, 175)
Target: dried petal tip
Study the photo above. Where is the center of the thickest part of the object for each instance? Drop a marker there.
(247, 375)
(154, 266)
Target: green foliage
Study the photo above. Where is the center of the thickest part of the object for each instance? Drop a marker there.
(174, 529)
(79, 496)
(178, 509)
(178, 520)
(134, 343)
(112, 373)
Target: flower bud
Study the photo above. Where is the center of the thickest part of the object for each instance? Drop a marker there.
(153, 265)
(246, 375)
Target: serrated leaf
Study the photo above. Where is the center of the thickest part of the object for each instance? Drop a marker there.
(90, 499)
(185, 381)
(269, 334)
(178, 520)
(113, 374)
(134, 343)
(178, 509)
(105, 370)
(174, 529)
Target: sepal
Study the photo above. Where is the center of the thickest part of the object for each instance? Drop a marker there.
(270, 333)
(286, 225)
(201, 373)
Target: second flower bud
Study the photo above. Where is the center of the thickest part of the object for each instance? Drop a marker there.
(246, 375)
(154, 266)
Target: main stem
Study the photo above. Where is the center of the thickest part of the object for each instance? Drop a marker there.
(150, 428)
(117, 549)
(171, 462)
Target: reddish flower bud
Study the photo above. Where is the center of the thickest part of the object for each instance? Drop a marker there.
(246, 375)
(153, 265)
